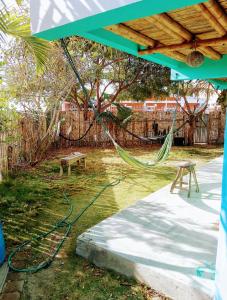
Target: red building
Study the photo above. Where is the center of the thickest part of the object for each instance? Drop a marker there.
(150, 104)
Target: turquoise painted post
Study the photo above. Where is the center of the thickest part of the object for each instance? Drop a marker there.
(2, 246)
(221, 262)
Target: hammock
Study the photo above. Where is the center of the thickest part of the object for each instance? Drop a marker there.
(160, 157)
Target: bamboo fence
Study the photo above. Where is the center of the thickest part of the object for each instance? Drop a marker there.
(19, 146)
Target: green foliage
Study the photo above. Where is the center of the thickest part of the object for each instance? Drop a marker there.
(124, 113)
(35, 93)
(222, 100)
(8, 116)
(154, 81)
(110, 75)
(17, 25)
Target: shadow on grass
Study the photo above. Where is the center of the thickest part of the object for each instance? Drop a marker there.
(70, 276)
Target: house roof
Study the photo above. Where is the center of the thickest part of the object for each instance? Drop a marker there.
(161, 31)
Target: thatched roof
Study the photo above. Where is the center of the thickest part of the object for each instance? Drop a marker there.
(176, 33)
(163, 31)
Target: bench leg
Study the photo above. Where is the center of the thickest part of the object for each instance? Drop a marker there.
(189, 183)
(61, 170)
(181, 178)
(175, 180)
(195, 180)
(69, 170)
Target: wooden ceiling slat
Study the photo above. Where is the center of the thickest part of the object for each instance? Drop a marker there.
(176, 55)
(174, 26)
(167, 30)
(162, 38)
(221, 48)
(139, 24)
(191, 19)
(223, 4)
(218, 12)
(210, 52)
(206, 35)
(211, 19)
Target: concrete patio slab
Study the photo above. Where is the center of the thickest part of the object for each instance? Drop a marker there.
(163, 239)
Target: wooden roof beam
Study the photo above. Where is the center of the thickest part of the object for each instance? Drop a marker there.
(217, 11)
(211, 19)
(185, 45)
(206, 35)
(132, 34)
(141, 39)
(176, 30)
(210, 52)
(176, 55)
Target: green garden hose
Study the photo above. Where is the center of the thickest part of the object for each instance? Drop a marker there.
(64, 223)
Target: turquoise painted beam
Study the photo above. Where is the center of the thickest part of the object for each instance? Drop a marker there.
(218, 84)
(122, 14)
(210, 69)
(221, 263)
(111, 39)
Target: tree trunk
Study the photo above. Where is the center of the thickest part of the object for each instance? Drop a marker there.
(99, 105)
(191, 131)
(219, 139)
(85, 110)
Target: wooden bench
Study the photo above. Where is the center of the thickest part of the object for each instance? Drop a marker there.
(190, 167)
(68, 161)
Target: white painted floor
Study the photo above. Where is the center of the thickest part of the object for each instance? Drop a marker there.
(163, 239)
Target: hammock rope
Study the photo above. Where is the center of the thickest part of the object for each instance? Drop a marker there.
(73, 66)
(81, 137)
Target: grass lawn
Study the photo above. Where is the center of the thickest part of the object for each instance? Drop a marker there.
(31, 201)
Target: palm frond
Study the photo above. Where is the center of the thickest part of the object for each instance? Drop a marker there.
(2, 22)
(40, 49)
(107, 117)
(19, 2)
(18, 26)
(15, 25)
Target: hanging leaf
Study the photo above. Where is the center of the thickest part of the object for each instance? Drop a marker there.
(18, 26)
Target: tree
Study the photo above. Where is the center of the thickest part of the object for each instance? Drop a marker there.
(153, 82)
(198, 89)
(222, 100)
(109, 74)
(36, 96)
